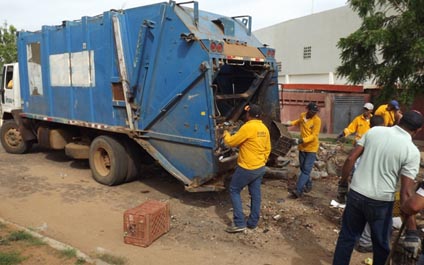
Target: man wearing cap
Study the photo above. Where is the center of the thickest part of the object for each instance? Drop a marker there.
(253, 141)
(390, 113)
(310, 125)
(388, 154)
(360, 124)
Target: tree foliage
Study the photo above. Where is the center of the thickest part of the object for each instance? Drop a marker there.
(8, 50)
(388, 48)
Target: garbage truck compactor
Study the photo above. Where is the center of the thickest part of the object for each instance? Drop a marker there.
(130, 87)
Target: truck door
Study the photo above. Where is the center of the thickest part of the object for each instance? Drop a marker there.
(7, 88)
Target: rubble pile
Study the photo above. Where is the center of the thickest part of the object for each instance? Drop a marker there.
(330, 159)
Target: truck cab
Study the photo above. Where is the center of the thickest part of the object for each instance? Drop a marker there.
(10, 95)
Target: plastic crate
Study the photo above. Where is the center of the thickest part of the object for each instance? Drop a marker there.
(146, 222)
(282, 146)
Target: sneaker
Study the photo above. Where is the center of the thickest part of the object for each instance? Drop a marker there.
(296, 194)
(363, 249)
(251, 227)
(307, 189)
(235, 229)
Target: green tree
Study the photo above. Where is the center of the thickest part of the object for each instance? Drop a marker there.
(8, 50)
(388, 48)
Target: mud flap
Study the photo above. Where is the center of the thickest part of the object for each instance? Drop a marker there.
(23, 125)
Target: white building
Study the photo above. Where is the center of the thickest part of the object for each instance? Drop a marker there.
(306, 47)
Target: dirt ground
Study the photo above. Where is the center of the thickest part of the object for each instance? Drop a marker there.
(55, 196)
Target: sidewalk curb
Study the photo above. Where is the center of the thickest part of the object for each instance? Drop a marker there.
(56, 244)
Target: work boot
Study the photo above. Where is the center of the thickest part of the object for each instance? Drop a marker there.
(307, 189)
(296, 194)
(235, 229)
(363, 249)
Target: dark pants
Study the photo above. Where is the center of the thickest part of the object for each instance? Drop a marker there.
(360, 210)
(240, 179)
(306, 163)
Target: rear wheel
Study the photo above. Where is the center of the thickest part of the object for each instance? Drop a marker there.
(108, 161)
(138, 160)
(12, 140)
(134, 161)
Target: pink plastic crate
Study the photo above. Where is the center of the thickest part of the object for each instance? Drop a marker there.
(146, 222)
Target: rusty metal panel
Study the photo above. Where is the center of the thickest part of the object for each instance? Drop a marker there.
(345, 109)
(243, 51)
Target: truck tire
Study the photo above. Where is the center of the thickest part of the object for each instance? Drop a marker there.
(11, 138)
(108, 161)
(134, 161)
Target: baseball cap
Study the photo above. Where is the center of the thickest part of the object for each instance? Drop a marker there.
(312, 107)
(253, 110)
(368, 106)
(395, 104)
(412, 119)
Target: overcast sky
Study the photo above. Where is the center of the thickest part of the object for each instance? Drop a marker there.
(31, 15)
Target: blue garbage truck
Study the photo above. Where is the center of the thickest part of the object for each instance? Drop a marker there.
(151, 84)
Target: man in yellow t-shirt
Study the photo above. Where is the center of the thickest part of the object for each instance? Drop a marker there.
(310, 125)
(390, 113)
(10, 84)
(253, 141)
(360, 124)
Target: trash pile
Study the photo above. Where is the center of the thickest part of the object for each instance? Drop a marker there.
(329, 162)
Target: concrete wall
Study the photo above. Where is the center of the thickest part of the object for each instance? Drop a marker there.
(320, 31)
(294, 102)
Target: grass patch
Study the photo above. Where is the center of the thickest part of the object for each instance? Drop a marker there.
(112, 259)
(68, 253)
(80, 261)
(10, 258)
(25, 236)
(4, 241)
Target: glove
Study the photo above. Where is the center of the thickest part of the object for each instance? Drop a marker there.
(342, 190)
(412, 244)
(296, 141)
(341, 135)
(219, 130)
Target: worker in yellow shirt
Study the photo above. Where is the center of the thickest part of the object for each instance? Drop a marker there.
(390, 113)
(253, 141)
(10, 84)
(360, 124)
(310, 125)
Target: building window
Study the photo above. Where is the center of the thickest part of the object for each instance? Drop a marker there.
(307, 52)
(279, 67)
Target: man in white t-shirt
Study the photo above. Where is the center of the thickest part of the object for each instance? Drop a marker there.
(384, 161)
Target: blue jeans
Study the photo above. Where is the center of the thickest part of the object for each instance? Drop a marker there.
(240, 179)
(306, 163)
(360, 210)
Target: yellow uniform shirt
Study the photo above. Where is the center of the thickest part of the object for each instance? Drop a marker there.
(10, 84)
(388, 116)
(254, 144)
(360, 125)
(309, 131)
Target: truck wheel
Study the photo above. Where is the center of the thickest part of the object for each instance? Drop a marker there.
(108, 161)
(134, 161)
(11, 138)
